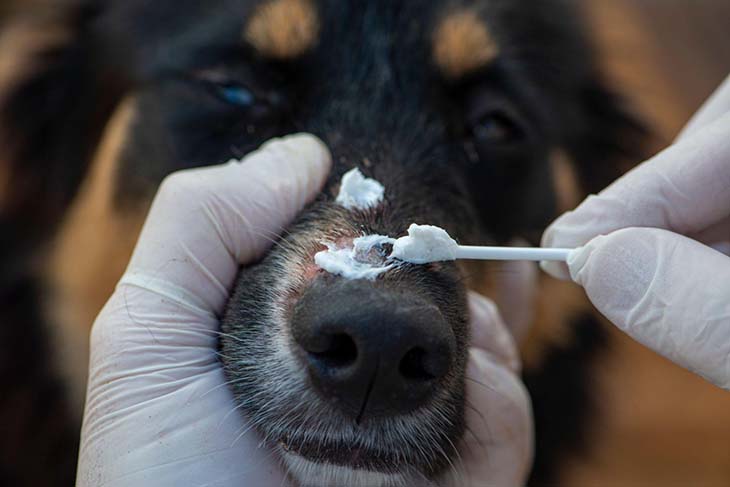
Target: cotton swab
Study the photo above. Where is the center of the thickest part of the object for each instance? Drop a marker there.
(427, 243)
(423, 244)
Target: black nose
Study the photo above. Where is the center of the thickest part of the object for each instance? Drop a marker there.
(370, 351)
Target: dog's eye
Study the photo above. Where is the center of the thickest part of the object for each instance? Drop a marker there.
(495, 127)
(236, 94)
(492, 122)
(229, 90)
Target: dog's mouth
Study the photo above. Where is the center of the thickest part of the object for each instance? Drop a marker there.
(344, 454)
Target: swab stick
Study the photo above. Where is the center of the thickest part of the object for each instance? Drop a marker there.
(510, 253)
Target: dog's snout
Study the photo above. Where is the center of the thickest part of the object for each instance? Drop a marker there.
(371, 352)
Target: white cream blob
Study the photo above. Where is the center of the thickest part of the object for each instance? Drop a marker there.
(358, 192)
(366, 259)
(369, 256)
(424, 244)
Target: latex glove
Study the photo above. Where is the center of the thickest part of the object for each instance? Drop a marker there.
(158, 412)
(497, 449)
(643, 257)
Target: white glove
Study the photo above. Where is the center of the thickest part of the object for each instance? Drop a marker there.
(497, 448)
(157, 409)
(158, 412)
(645, 247)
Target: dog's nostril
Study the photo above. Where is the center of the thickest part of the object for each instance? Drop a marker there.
(413, 365)
(371, 350)
(341, 352)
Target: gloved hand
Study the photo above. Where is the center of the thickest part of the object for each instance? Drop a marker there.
(158, 411)
(497, 448)
(649, 247)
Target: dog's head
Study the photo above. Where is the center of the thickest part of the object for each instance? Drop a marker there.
(482, 117)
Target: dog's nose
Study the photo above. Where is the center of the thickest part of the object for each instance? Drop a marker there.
(369, 351)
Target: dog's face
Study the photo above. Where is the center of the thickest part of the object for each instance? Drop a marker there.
(470, 113)
(419, 95)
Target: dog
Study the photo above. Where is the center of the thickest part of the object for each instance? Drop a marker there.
(485, 118)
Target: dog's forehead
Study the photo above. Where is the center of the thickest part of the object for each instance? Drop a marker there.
(458, 37)
(457, 34)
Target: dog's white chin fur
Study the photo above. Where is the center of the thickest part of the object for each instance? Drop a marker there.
(312, 474)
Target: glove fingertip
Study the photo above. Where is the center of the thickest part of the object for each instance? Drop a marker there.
(558, 270)
(551, 239)
(577, 260)
(311, 150)
(313, 161)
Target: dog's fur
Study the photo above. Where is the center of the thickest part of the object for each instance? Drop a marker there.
(119, 95)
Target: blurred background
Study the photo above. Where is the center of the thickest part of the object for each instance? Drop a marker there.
(667, 55)
(662, 425)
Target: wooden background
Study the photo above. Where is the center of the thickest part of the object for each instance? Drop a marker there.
(662, 425)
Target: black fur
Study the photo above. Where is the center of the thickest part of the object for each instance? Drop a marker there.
(52, 121)
(561, 395)
(39, 433)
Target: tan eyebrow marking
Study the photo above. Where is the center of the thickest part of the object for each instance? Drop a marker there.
(462, 43)
(283, 29)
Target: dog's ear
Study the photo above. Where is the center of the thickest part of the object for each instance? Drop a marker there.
(610, 140)
(55, 97)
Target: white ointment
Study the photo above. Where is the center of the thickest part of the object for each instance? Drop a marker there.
(358, 192)
(424, 244)
(369, 256)
(366, 259)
